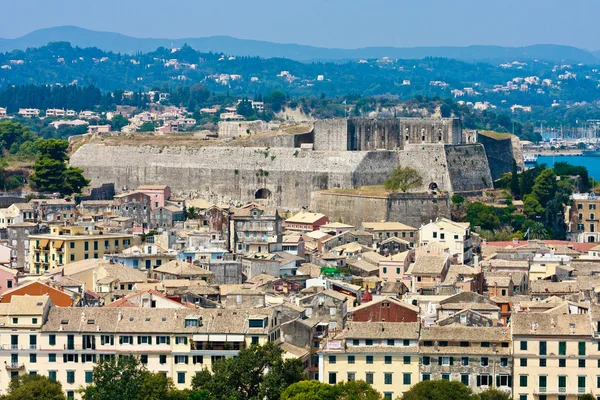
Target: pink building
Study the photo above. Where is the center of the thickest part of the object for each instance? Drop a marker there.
(8, 279)
(158, 194)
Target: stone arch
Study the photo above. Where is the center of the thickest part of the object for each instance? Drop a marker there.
(433, 186)
(262, 194)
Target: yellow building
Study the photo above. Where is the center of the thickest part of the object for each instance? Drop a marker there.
(555, 356)
(66, 343)
(384, 354)
(66, 244)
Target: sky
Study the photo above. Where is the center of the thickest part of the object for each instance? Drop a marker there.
(324, 23)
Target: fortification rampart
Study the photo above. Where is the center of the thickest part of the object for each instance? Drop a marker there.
(413, 209)
(500, 152)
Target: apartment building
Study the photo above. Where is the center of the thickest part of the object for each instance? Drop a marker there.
(386, 230)
(66, 244)
(477, 356)
(384, 354)
(68, 343)
(456, 235)
(254, 229)
(583, 218)
(556, 356)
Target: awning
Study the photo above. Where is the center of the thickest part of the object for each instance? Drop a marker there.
(218, 338)
(235, 338)
(44, 243)
(200, 338)
(58, 244)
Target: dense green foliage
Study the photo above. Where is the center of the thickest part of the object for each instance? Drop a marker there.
(257, 372)
(315, 390)
(51, 173)
(33, 387)
(404, 179)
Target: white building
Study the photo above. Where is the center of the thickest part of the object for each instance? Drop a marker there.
(455, 235)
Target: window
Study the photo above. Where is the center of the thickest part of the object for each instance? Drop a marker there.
(144, 339)
(581, 384)
(582, 363)
(163, 340)
(465, 361)
(445, 377)
(523, 345)
(388, 359)
(504, 362)
(198, 359)
(88, 376)
(369, 378)
(369, 359)
(406, 360)
(503, 380)
(542, 382)
(384, 270)
(523, 362)
(485, 344)
(406, 342)
(391, 342)
(542, 362)
(387, 378)
(562, 363)
(332, 359)
(181, 378)
(426, 360)
(33, 358)
(72, 245)
(388, 395)
(332, 378)
(52, 357)
(406, 378)
(464, 379)
(107, 339)
(484, 361)
(52, 340)
(70, 376)
(351, 360)
(426, 377)
(162, 359)
(581, 349)
(484, 380)
(52, 375)
(542, 349)
(351, 376)
(144, 359)
(181, 359)
(254, 339)
(464, 344)
(369, 342)
(562, 348)
(125, 339)
(355, 342)
(182, 340)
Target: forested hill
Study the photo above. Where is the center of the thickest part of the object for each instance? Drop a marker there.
(532, 83)
(110, 41)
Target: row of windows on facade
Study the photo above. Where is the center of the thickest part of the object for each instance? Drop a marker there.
(591, 206)
(562, 347)
(86, 244)
(93, 358)
(443, 236)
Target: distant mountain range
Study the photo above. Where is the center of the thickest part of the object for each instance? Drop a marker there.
(117, 42)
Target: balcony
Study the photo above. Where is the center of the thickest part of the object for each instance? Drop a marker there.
(14, 366)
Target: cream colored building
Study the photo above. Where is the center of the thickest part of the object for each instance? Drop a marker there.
(455, 235)
(556, 356)
(67, 345)
(67, 244)
(384, 354)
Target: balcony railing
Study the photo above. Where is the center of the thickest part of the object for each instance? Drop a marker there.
(542, 389)
(14, 366)
(562, 390)
(581, 390)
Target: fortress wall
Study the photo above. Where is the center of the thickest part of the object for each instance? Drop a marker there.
(499, 153)
(430, 161)
(468, 168)
(413, 209)
(281, 140)
(234, 129)
(234, 174)
(517, 150)
(331, 134)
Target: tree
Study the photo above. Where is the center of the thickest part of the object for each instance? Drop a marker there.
(439, 390)
(50, 172)
(545, 186)
(309, 390)
(494, 394)
(478, 214)
(257, 372)
(404, 179)
(34, 387)
(146, 127)
(245, 108)
(117, 378)
(356, 390)
(531, 206)
(586, 396)
(118, 122)
(537, 231)
(514, 180)
(276, 100)
(457, 199)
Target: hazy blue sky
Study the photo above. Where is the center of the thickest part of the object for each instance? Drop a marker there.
(328, 23)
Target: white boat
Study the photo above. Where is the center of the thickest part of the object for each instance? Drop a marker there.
(530, 158)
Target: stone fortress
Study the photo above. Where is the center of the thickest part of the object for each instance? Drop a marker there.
(289, 170)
